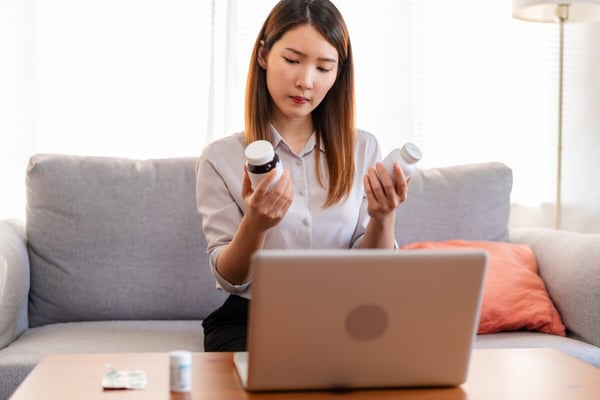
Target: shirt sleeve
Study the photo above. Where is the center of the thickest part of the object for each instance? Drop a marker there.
(219, 203)
(367, 153)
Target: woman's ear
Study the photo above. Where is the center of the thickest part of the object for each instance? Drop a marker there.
(262, 55)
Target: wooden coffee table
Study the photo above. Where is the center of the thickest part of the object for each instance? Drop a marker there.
(494, 374)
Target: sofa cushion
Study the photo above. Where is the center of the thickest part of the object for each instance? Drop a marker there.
(470, 202)
(115, 239)
(570, 345)
(514, 296)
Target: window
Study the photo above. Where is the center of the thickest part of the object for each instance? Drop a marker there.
(159, 78)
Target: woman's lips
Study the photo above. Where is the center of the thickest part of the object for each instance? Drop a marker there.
(299, 99)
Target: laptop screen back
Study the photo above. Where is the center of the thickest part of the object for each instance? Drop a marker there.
(331, 319)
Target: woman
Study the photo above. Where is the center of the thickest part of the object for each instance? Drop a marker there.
(333, 192)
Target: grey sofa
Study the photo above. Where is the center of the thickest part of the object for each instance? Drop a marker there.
(112, 258)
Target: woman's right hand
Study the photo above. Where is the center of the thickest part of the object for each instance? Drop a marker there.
(266, 208)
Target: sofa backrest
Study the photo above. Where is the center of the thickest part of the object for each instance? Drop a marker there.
(115, 239)
(469, 202)
(119, 239)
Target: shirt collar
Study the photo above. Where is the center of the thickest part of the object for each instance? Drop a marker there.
(310, 145)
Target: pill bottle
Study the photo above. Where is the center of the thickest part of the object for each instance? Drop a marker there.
(407, 156)
(260, 160)
(180, 371)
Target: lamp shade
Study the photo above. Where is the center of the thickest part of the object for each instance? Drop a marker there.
(545, 10)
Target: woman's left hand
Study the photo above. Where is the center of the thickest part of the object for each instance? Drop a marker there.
(383, 196)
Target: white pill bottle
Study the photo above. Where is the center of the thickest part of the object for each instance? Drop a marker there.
(260, 160)
(180, 371)
(406, 156)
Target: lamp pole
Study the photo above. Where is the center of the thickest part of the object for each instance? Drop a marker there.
(562, 14)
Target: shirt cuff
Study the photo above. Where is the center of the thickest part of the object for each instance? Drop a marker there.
(223, 283)
(356, 244)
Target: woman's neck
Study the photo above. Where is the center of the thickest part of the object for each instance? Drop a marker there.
(295, 132)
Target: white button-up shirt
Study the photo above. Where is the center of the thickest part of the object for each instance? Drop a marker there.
(307, 225)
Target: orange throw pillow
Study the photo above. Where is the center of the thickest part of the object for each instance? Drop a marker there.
(514, 297)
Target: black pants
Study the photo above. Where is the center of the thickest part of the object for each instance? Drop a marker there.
(226, 328)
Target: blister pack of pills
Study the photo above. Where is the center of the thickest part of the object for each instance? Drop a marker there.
(131, 379)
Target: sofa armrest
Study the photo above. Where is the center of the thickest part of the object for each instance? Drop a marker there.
(569, 264)
(14, 281)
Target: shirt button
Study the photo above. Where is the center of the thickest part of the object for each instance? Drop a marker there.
(299, 163)
(301, 193)
(306, 222)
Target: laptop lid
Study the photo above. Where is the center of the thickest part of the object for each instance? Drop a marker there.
(343, 319)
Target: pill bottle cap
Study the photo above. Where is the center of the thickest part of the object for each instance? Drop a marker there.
(180, 357)
(259, 152)
(411, 153)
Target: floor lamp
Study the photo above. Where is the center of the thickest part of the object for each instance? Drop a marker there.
(559, 11)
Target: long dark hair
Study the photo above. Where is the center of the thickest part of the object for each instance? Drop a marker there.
(333, 119)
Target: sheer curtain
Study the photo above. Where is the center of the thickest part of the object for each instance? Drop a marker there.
(126, 78)
(158, 78)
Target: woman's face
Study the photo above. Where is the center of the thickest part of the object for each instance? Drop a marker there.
(301, 67)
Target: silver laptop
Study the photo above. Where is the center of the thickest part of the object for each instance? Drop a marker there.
(348, 319)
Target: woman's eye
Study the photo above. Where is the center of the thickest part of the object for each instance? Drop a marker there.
(295, 61)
